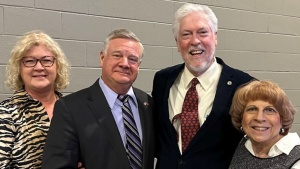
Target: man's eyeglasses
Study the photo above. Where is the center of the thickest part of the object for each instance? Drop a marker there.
(46, 61)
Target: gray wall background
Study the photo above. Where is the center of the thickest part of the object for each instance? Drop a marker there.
(259, 37)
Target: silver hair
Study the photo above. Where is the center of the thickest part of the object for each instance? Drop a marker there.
(189, 8)
(124, 34)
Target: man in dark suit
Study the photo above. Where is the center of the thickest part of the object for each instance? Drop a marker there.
(214, 141)
(88, 125)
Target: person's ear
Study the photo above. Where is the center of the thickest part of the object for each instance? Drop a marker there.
(101, 58)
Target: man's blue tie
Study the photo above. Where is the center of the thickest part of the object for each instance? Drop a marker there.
(133, 142)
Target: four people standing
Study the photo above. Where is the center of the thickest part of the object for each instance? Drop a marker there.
(110, 124)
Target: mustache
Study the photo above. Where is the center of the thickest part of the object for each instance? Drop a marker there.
(193, 48)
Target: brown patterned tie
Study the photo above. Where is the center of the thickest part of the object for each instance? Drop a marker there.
(189, 115)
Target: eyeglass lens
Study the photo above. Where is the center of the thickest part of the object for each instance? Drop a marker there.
(46, 61)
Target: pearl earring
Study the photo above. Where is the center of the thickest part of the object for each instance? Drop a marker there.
(282, 130)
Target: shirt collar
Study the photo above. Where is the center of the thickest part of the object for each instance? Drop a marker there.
(284, 145)
(206, 79)
(22, 96)
(112, 96)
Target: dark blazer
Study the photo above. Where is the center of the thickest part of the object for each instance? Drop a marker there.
(83, 129)
(214, 144)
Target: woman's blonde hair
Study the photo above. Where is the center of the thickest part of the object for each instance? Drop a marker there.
(26, 42)
(266, 91)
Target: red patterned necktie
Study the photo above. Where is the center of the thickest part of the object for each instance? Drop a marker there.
(189, 115)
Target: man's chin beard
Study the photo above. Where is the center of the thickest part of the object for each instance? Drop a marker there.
(198, 70)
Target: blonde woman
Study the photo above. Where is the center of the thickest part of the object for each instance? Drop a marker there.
(36, 72)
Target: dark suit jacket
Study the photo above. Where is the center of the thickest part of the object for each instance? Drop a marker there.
(83, 129)
(214, 144)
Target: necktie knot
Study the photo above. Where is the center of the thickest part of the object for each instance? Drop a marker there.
(195, 81)
(123, 98)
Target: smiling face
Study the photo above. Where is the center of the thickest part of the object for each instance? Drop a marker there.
(120, 65)
(261, 122)
(196, 43)
(38, 78)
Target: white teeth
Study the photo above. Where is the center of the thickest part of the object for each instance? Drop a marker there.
(196, 52)
(260, 128)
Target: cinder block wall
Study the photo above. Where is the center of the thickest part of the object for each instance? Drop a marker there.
(259, 37)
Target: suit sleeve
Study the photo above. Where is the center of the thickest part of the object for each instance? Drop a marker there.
(157, 92)
(62, 147)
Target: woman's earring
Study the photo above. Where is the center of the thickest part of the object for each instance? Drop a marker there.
(241, 128)
(282, 131)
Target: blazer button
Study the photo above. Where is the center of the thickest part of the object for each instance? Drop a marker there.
(181, 164)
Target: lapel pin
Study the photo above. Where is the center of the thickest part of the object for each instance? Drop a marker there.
(146, 103)
(229, 83)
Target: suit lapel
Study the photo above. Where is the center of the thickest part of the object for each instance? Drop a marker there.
(143, 107)
(170, 128)
(171, 79)
(101, 110)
